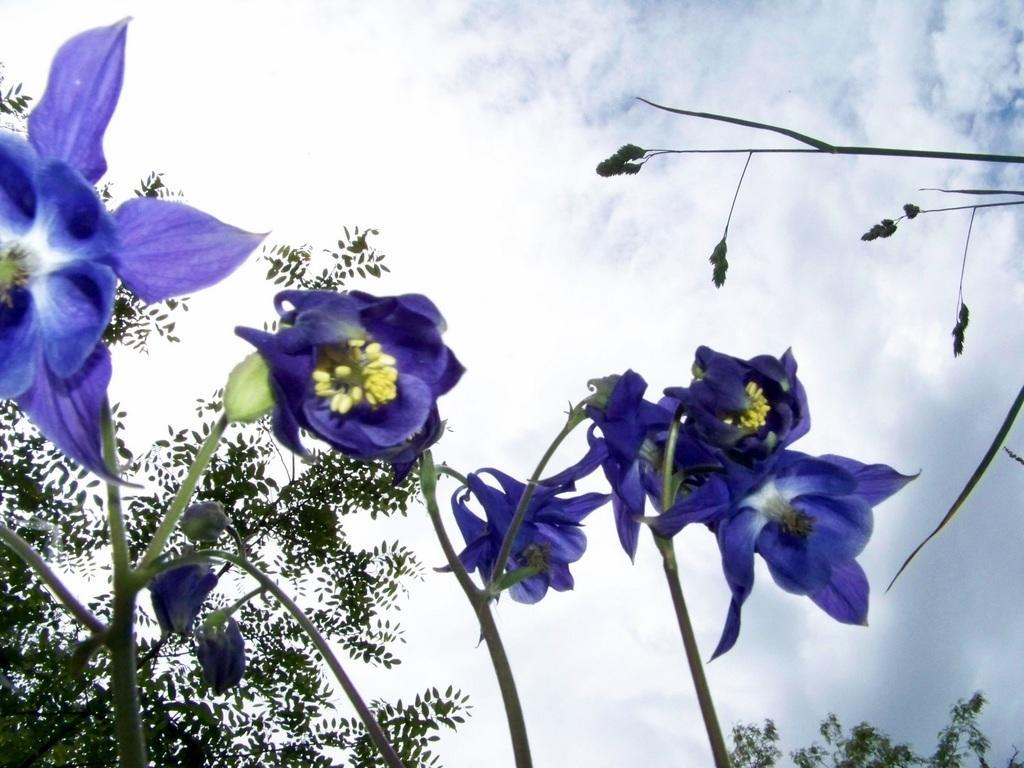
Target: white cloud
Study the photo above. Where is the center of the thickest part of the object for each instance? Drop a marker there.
(469, 136)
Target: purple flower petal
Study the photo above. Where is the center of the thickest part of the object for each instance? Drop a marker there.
(530, 590)
(471, 526)
(78, 227)
(477, 554)
(377, 433)
(702, 505)
(731, 630)
(18, 198)
(570, 511)
(813, 476)
(178, 595)
(170, 249)
(18, 339)
(565, 543)
(512, 488)
(560, 577)
(289, 375)
(591, 460)
(67, 411)
(453, 371)
(72, 307)
(845, 597)
(221, 654)
(626, 525)
(875, 482)
(841, 526)
(794, 564)
(85, 82)
(736, 540)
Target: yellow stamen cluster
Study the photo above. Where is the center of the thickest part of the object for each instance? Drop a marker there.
(797, 523)
(775, 506)
(356, 372)
(756, 413)
(12, 271)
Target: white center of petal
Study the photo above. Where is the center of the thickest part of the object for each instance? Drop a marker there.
(771, 503)
(28, 257)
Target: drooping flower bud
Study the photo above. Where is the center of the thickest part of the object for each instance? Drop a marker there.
(221, 652)
(204, 522)
(179, 594)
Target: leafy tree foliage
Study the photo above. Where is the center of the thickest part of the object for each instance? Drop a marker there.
(54, 707)
(960, 744)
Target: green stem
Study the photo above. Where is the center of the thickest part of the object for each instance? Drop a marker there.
(736, 194)
(34, 560)
(321, 645)
(700, 683)
(507, 684)
(480, 601)
(832, 149)
(243, 600)
(184, 495)
(115, 519)
(671, 567)
(444, 469)
(120, 638)
(576, 417)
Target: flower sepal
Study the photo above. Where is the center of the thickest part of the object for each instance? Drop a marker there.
(511, 578)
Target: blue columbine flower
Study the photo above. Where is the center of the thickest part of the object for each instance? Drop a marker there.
(549, 539)
(361, 372)
(61, 252)
(807, 517)
(748, 408)
(221, 651)
(178, 595)
(633, 434)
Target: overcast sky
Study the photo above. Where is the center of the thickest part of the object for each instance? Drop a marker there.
(468, 133)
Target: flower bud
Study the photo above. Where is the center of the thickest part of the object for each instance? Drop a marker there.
(221, 652)
(178, 594)
(248, 395)
(204, 522)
